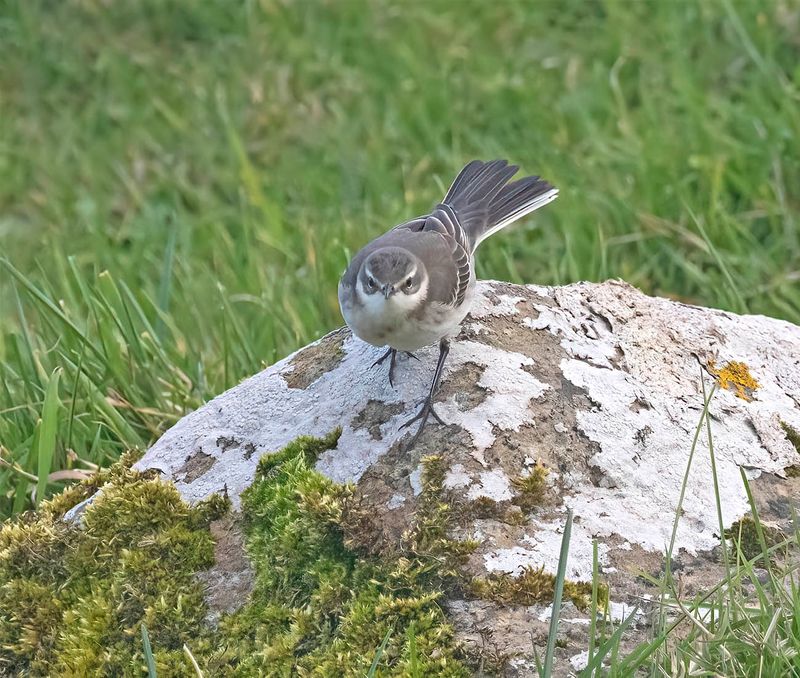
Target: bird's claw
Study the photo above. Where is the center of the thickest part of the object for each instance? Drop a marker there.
(379, 361)
(389, 353)
(422, 416)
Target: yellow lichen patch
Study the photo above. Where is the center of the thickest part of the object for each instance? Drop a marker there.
(735, 375)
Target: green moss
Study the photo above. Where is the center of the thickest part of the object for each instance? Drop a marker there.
(485, 508)
(59, 504)
(533, 586)
(434, 555)
(792, 435)
(792, 471)
(530, 489)
(436, 517)
(744, 535)
(307, 447)
(74, 596)
(318, 607)
(324, 597)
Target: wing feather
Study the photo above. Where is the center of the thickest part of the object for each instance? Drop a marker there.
(444, 220)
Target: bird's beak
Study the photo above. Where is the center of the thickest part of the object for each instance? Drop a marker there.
(387, 290)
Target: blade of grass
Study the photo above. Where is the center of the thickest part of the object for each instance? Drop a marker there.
(610, 645)
(762, 541)
(165, 283)
(20, 495)
(667, 579)
(379, 654)
(49, 305)
(47, 435)
(678, 509)
(23, 324)
(197, 671)
(741, 303)
(118, 311)
(413, 658)
(16, 468)
(715, 480)
(593, 610)
(148, 653)
(547, 669)
(73, 399)
(641, 654)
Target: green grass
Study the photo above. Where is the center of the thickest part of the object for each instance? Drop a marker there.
(181, 183)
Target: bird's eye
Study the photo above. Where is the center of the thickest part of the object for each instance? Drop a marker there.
(409, 283)
(370, 282)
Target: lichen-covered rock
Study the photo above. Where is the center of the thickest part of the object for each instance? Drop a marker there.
(586, 397)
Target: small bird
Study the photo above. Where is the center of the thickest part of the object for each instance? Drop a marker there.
(414, 285)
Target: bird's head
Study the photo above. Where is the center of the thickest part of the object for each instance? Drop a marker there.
(395, 274)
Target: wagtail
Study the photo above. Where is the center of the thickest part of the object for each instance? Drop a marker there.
(413, 285)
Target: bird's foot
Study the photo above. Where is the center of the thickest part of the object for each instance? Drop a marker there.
(391, 353)
(422, 417)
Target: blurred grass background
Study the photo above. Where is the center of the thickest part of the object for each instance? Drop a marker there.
(182, 182)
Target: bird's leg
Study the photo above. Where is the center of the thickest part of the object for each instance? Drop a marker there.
(410, 355)
(390, 353)
(427, 406)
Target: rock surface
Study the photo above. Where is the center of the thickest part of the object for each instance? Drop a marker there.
(598, 382)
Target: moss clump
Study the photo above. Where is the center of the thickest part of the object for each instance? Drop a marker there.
(318, 608)
(307, 447)
(59, 504)
(792, 435)
(792, 471)
(435, 556)
(485, 508)
(534, 586)
(744, 535)
(735, 375)
(74, 597)
(531, 488)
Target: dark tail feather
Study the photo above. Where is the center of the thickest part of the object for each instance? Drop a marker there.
(485, 202)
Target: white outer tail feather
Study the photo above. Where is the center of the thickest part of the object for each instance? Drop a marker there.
(527, 208)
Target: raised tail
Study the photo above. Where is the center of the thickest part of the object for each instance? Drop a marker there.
(484, 201)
